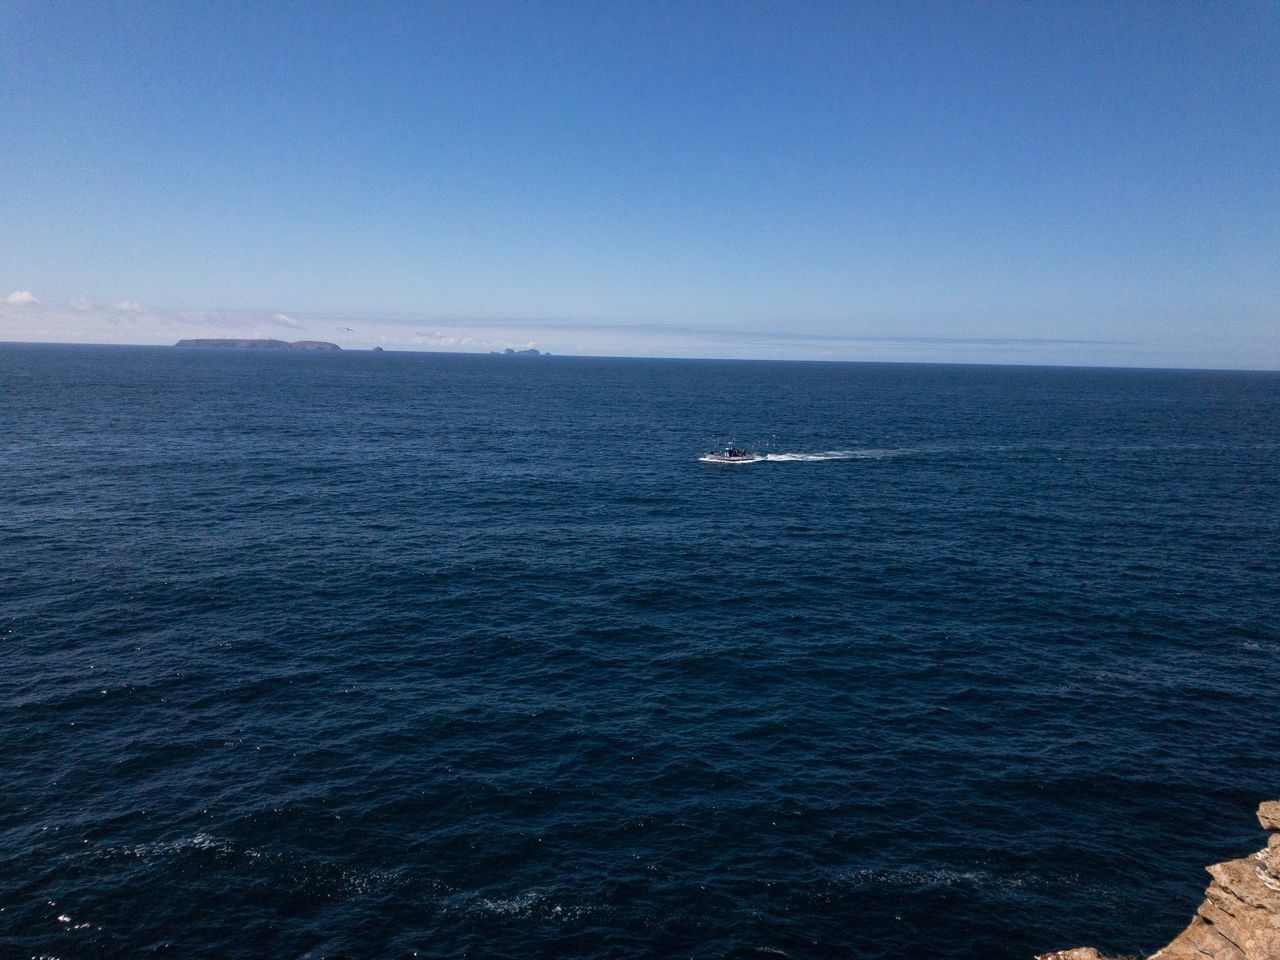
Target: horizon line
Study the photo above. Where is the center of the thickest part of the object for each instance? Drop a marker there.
(588, 356)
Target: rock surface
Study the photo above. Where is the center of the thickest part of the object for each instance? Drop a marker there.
(1240, 916)
(262, 344)
(1269, 815)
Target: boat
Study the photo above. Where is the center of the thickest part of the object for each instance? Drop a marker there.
(731, 454)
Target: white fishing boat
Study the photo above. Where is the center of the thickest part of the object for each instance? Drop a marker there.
(731, 454)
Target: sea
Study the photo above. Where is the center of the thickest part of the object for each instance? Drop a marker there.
(359, 655)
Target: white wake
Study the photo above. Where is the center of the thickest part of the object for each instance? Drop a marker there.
(864, 454)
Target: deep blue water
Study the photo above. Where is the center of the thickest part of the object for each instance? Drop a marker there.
(360, 655)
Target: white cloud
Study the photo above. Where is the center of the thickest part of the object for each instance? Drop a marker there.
(20, 298)
(286, 320)
(438, 339)
(83, 303)
(131, 306)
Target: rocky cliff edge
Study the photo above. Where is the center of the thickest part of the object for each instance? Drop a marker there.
(1240, 916)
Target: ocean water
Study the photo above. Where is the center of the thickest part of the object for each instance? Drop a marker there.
(376, 656)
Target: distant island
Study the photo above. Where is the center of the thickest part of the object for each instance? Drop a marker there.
(261, 344)
(531, 352)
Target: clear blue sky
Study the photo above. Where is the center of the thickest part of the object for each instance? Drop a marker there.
(933, 172)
